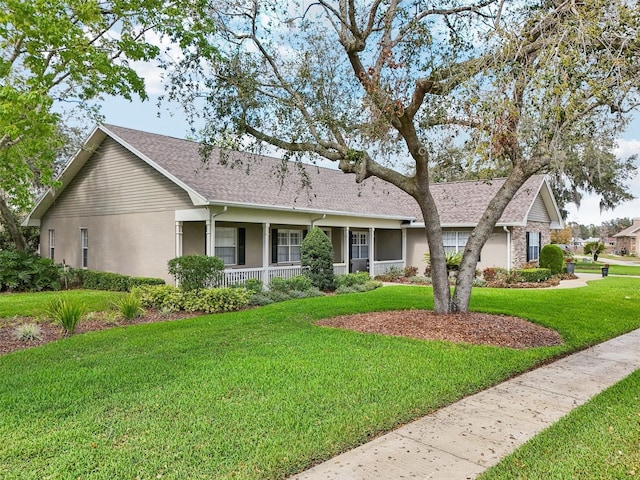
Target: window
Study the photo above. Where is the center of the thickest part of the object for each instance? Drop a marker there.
(227, 245)
(454, 242)
(84, 243)
(533, 246)
(359, 245)
(288, 245)
(52, 244)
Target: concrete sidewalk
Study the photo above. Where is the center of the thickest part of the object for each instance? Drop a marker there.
(464, 439)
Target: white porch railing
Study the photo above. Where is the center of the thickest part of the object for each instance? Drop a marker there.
(234, 276)
(382, 267)
(340, 268)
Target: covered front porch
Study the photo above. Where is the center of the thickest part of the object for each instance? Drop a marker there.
(263, 250)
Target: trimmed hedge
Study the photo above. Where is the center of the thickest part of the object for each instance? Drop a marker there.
(115, 282)
(534, 275)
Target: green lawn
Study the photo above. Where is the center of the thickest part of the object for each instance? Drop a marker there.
(30, 304)
(262, 393)
(599, 440)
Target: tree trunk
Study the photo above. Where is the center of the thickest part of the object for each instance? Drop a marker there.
(11, 224)
(439, 274)
(480, 235)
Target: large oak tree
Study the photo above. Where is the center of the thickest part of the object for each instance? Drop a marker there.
(381, 87)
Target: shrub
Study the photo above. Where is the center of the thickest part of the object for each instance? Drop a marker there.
(161, 297)
(410, 271)
(130, 307)
(358, 287)
(533, 275)
(551, 257)
(216, 300)
(196, 272)
(27, 332)
(351, 279)
(115, 282)
(254, 285)
(489, 274)
(317, 259)
(65, 313)
(419, 280)
(260, 299)
(286, 285)
(452, 259)
(22, 272)
(479, 282)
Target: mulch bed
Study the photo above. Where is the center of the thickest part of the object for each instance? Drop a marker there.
(475, 328)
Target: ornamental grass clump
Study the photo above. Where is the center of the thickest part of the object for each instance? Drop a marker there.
(129, 307)
(65, 313)
(27, 332)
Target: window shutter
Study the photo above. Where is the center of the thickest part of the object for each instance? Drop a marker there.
(527, 247)
(274, 245)
(304, 233)
(539, 243)
(242, 235)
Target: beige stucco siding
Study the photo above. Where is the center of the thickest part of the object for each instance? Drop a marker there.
(137, 244)
(494, 252)
(128, 209)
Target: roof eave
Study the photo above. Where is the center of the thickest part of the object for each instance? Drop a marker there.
(285, 208)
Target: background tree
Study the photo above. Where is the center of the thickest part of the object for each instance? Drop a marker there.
(55, 58)
(610, 227)
(384, 88)
(563, 237)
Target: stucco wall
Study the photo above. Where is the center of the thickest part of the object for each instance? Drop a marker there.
(138, 244)
(494, 253)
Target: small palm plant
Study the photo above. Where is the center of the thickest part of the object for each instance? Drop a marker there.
(130, 307)
(65, 313)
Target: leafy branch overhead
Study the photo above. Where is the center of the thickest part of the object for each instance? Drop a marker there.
(386, 89)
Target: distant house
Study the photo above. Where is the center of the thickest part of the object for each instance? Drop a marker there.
(129, 201)
(628, 240)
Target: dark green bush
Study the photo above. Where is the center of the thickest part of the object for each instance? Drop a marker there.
(552, 257)
(351, 279)
(27, 272)
(196, 272)
(254, 285)
(285, 285)
(115, 282)
(533, 275)
(317, 259)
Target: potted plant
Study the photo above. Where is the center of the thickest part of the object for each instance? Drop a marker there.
(570, 266)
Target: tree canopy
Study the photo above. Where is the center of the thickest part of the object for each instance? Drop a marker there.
(56, 57)
(385, 88)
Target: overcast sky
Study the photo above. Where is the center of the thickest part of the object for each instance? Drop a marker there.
(169, 120)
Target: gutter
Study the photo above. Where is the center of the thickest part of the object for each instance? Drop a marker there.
(314, 220)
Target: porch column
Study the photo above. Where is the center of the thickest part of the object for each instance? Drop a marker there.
(372, 251)
(210, 237)
(178, 239)
(404, 247)
(346, 244)
(266, 245)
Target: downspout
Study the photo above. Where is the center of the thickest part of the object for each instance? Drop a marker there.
(314, 220)
(508, 232)
(211, 234)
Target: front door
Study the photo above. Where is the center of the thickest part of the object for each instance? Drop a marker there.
(359, 252)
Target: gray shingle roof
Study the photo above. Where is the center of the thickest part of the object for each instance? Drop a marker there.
(631, 231)
(253, 180)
